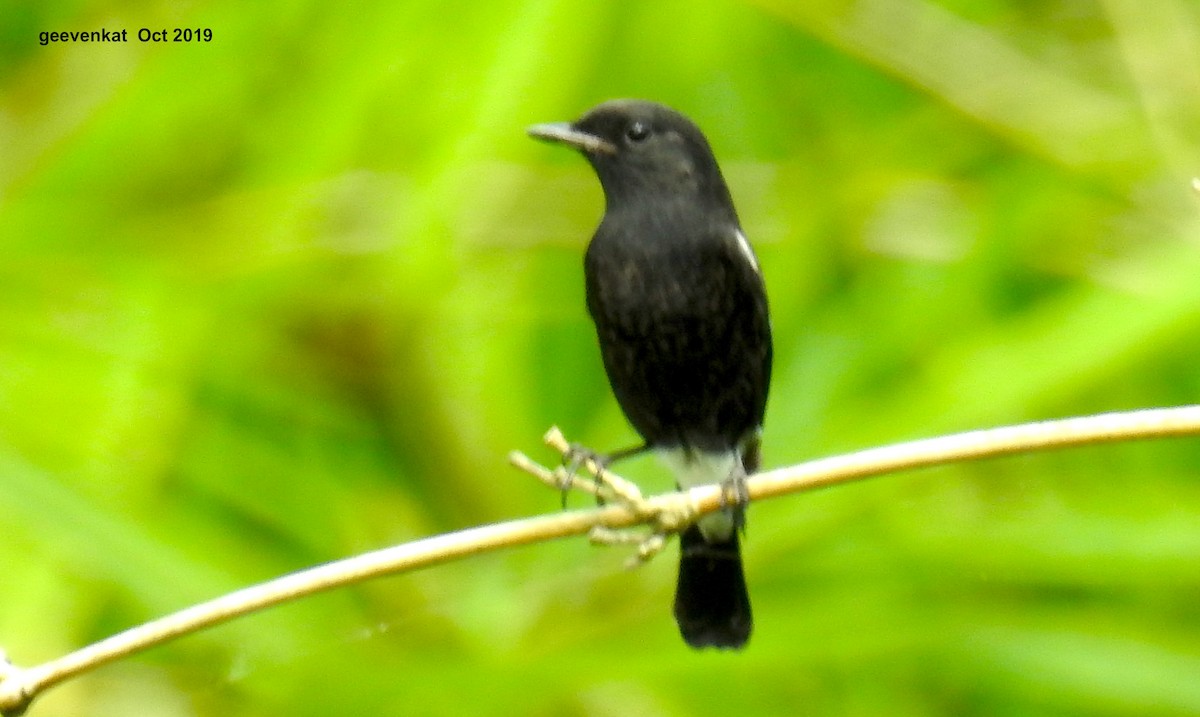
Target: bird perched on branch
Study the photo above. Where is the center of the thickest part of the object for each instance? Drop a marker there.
(680, 310)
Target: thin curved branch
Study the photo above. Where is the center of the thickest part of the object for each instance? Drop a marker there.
(1142, 424)
(19, 686)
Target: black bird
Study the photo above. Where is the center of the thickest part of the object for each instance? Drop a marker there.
(680, 310)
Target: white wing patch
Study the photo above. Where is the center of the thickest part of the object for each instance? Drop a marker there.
(744, 246)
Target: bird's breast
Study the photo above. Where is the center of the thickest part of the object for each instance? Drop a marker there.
(654, 280)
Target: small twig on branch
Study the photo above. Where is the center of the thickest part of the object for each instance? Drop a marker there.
(19, 686)
(665, 520)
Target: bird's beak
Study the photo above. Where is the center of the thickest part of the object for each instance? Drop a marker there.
(565, 133)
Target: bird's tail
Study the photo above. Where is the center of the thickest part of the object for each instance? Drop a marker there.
(712, 606)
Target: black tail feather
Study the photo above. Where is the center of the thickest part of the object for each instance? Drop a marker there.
(712, 606)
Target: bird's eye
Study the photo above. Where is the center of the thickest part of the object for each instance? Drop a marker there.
(637, 132)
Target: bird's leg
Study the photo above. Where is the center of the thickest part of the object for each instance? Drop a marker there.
(578, 456)
(735, 495)
(664, 523)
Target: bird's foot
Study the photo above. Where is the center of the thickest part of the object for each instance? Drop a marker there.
(664, 515)
(576, 457)
(735, 496)
(605, 486)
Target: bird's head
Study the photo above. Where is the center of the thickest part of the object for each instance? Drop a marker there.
(640, 149)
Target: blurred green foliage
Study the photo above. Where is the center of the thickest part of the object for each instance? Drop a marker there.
(293, 294)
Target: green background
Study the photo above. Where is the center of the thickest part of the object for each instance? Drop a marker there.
(294, 293)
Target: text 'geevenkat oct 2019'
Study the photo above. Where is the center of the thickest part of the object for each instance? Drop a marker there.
(145, 34)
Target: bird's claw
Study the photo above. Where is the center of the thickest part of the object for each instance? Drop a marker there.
(666, 519)
(606, 486)
(579, 456)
